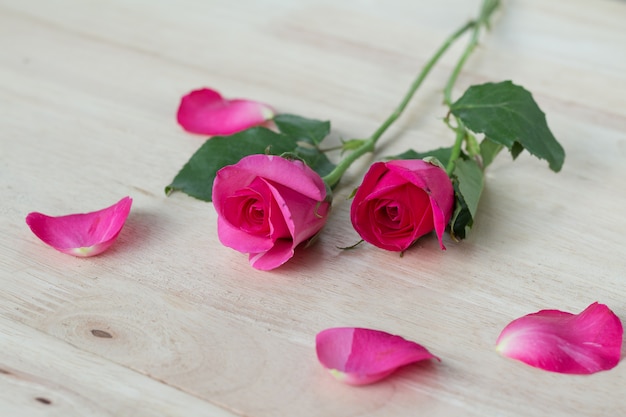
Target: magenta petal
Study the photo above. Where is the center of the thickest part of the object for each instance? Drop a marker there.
(85, 234)
(206, 112)
(566, 343)
(359, 356)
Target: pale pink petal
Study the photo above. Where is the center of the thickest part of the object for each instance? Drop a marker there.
(85, 234)
(566, 343)
(360, 356)
(206, 112)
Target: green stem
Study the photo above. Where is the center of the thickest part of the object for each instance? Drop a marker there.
(487, 8)
(368, 146)
(456, 148)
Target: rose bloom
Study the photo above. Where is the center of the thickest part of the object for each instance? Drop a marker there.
(268, 205)
(400, 201)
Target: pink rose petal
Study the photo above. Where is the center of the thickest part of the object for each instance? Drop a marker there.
(82, 235)
(206, 112)
(566, 343)
(359, 356)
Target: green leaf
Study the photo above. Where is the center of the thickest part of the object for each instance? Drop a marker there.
(442, 155)
(299, 138)
(471, 144)
(507, 114)
(488, 151)
(516, 149)
(308, 134)
(197, 175)
(317, 160)
(468, 181)
(300, 128)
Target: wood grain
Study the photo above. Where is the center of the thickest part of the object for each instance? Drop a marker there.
(169, 322)
(43, 375)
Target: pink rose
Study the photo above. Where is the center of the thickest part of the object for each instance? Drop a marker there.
(268, 205)
(400, 201)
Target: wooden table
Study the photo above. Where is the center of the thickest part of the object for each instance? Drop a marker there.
(169, 322)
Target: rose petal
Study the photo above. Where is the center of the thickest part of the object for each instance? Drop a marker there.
(206, 112)
(293, 174)
(566, 343)
(85, 234)
(360, 356)
(258, 193)
(278, 254)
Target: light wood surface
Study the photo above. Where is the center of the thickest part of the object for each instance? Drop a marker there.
(170, 323)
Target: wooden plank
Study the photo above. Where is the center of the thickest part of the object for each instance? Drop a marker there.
(88, 93)
(41, 375)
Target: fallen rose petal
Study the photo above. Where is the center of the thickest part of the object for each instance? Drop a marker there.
(206, 112)
(566, 343)
(85, 234)
(360, 356)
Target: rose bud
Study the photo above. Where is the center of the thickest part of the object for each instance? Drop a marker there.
(399, 201)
